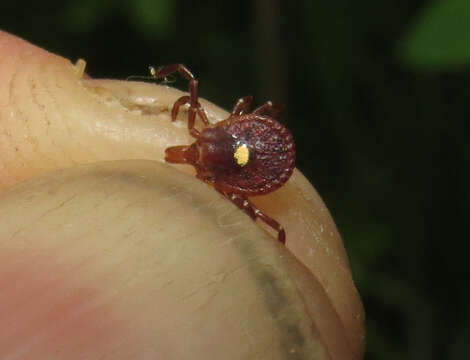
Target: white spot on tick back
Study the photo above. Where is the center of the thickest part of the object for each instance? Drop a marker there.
(242, 155)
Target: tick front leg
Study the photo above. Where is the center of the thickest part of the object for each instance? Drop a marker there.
(176, 106)
(195, 107)
(164, 71)
(246, 205)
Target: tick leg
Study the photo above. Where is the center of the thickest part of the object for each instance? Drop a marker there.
(202, 114)
(268, 108)
(243, 105)
(195, 107)
(176, 106)
(281, 233)
(191, 118)
(246, 205)
(170, 69)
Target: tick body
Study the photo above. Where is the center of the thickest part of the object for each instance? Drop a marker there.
(247, 154)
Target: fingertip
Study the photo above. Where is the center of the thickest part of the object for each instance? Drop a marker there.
(179, 271)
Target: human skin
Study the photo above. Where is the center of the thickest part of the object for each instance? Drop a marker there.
(108, 252)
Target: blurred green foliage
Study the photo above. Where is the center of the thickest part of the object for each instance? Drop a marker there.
(439, 37)
(385, 143)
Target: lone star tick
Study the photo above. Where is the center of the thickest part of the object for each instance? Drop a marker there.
(247, 154)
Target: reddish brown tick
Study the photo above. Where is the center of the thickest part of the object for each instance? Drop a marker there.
(247, 154)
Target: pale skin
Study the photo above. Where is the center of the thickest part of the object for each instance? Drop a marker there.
(136, 259)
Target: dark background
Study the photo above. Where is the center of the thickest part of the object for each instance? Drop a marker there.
(376, 94)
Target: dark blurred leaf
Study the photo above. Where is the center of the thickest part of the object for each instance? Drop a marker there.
(80, 17)
(153, 16)
(439, 38)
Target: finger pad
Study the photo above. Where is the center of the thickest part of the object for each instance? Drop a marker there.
(47, 311)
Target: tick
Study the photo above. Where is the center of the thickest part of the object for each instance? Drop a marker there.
(248, 154)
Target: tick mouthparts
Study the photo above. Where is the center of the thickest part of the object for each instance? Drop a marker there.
(176, 154)
(182, 154)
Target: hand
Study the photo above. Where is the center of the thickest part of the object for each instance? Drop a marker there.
(133, 259)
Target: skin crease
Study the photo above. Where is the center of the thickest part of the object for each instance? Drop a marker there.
(52, 117)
